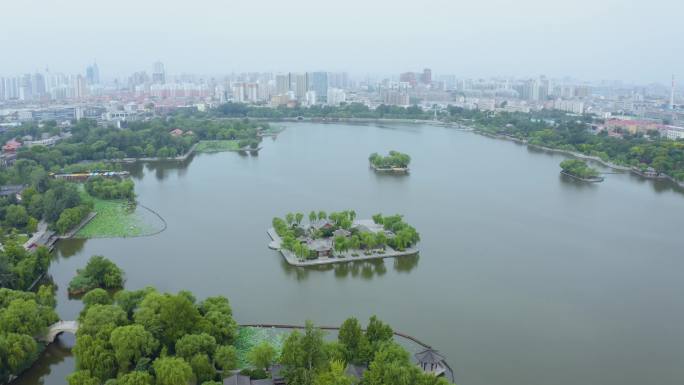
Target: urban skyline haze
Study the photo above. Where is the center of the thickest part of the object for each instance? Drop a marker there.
(627, 40)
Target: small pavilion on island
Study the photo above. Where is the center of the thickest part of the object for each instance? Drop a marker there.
(432, 362)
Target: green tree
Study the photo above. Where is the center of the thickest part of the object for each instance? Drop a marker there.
(129, 300)
(202, 367)
(16, 216)
(130, 343)
(17, 352)
(168, 317)
(172, 371)
(226, 358)
(352, 338)
(303, 355)
(82, 377)
(100, 320)
(95, 356)
(298, 218)
(262, 355)
(290, 219)
(312, 217)
(135, 378)
(335, 375)
(191, 344)
(97, 296)
(99, 272)
(26, 316)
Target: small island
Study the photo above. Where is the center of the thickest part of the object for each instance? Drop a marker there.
(340, 237)
(394, 162)
(578, 169)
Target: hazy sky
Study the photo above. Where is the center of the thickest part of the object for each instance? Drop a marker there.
(632, 40)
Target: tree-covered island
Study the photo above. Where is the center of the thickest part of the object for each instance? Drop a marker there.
(394, 162)
(339, 234)
(579, 169)
(148, 337)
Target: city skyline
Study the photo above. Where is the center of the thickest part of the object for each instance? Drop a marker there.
(580, 39)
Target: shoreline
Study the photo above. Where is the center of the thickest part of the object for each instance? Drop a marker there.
(395, 170)
(294, 261)
(597, 179)
(578, 155)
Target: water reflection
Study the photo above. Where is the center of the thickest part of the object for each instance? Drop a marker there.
(365, 270)
(69, 247)
(46, 368)
(577, 184)
(161, 169)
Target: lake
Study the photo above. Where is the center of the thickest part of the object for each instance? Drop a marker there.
(524, 277)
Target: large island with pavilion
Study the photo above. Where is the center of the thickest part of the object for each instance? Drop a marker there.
(340, 237)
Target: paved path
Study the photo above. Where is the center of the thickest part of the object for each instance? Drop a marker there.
(40, 230)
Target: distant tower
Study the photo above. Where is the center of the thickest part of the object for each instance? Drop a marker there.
(158, 73)
(672, 93)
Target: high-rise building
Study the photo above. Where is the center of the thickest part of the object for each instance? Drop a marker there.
(38, 85)
(158, 73)
(426, 76)
(319, 83)
(93, 74)
(25, 88)
(408, 77)
(672, 89)
(395, 98)
(310, 98)
(336, 96)
(300, 85)
(80, 90)
(338, 80)
(282, 84)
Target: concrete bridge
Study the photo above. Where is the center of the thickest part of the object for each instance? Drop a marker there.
(58, 328)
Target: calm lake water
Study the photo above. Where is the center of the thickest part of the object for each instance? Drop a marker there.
(524, 277)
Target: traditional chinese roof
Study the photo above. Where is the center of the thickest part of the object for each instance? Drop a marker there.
(429, 356)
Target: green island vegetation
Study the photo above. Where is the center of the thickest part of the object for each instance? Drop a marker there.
(23, 316)
(341, 235)
(394, 161)
(163, 138)
(144, 337)
(209, 146)
(36, 201)
(110, 188)
(20, 268)
(546, 128)
(573, 133)
(579, 168)
(100, 272)
(344, 111)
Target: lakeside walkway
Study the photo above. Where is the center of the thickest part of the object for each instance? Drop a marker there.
(295, 261)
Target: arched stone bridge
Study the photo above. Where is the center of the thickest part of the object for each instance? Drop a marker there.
(58, 328)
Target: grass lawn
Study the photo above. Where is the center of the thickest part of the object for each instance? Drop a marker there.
(217, 146)
(249, 337)
(115, 218)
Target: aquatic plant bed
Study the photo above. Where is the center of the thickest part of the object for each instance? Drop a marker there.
(119, 219)
(209, 146)
(249, 337)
